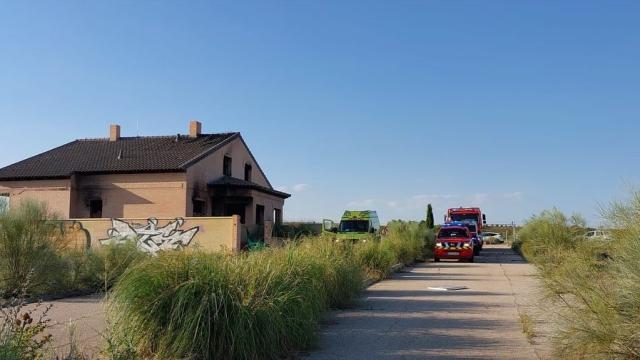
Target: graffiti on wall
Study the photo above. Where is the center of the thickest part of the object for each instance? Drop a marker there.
(150, 237)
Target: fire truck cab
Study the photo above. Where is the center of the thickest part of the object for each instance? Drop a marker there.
(454, 241)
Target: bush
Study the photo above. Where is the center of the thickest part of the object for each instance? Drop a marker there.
(375, 259)
(600, 291)
(23, 337)
(181, 304)
(407, 240)
(98, 269)
(545, 236)
(260, 304)
(28, 249)
(31, 247)
(594, 282)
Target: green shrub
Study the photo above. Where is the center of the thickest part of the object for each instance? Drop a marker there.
(594, 283)
(598, 286)
(23, 335)
(28, 249)
(97, 269)
(343, 274)
(545, 236)
(406, 240)
(31, 246)
(259, 304)
(375, 259)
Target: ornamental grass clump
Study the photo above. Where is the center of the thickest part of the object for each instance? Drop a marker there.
(375, 259)
(600, 312)
(29, 250)
(593, 283)
(406, 240)
(261, 304)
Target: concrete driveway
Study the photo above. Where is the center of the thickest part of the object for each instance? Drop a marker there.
(401, 318)
(85, 314)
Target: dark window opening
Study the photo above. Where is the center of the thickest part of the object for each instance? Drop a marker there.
(259, 214)
(226, 166)
(199, 207)
(277, 216)
(247, 172)
(95, 208)
(235, 209)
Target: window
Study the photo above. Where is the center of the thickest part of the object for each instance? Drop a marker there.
(259, 214)
(4, 202)
(247, 172)
(277, 216)
(199, 207)
(226, 166)
(354, 226)
(95, 208)
(452, 233)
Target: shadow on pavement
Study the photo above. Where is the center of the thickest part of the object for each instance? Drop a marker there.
(401, 318)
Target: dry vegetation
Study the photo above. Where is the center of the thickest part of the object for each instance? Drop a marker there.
(594, 282)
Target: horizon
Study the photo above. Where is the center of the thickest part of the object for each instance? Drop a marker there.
(515, 108)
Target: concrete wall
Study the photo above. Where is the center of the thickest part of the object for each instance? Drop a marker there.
(160, 195)
(56, 193)
(206, 233)
(210, 168)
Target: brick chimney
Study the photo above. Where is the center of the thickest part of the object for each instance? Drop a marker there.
(195, 127)
(114, 132)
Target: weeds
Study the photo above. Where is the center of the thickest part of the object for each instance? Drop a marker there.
(28, 249)
(31, 245)
(594, 283)
(527, 327)
(260, 304)
(23, 331)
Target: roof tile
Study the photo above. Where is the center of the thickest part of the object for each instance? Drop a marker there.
(128, 154)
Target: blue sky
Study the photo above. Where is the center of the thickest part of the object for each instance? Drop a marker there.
(513, 106)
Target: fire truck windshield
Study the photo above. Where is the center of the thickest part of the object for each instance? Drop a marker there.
(462, 217)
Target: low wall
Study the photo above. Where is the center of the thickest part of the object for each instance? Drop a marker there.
(152, 235)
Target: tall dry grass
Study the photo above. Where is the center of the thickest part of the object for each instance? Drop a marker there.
(594, 284)
(31, 246)
(258, 305)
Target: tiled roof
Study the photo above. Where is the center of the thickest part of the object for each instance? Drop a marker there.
(125, 155)
(228, 181)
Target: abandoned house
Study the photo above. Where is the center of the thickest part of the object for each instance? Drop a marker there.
(150, 176)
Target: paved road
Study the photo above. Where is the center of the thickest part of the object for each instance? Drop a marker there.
(401, 318)
(85, 313)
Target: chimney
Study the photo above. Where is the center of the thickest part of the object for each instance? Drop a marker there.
(114, 132)
(194, 128)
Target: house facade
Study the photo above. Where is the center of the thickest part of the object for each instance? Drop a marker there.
(174, 176)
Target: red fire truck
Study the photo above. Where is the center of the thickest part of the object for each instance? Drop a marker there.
(465, 214)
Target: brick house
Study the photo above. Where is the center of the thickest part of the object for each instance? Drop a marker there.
(152, 176)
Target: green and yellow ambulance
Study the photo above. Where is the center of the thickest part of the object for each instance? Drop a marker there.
(355, 225)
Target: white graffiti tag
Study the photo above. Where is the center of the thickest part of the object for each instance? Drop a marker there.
(151, 238)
